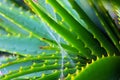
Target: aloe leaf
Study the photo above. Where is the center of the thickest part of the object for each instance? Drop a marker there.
(25, 25)
(111, 13)
(56, 75)
(67, 6)
(3, 31)
(27, 59)
(66, 47)
(20, 44)
(25, 19)
(42, 58)
(106, 23)
(8, 69)
(11, 13)
(91, 26)
(47, 8)
(77, 56)
(106, 68)
(33, 62)
(19, 3)
(58, 28)
(4, 57)
(11, 28)
(32, 69)
(89, 41)
(24, 62)
(114, 2)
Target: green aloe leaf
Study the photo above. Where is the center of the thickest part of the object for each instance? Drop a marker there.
(106, 22)
(106, 68)
(38, 64)
(59, 40)
(21, 45)
(11, 13)
(21, 26)
(11, 28)
(3, 31)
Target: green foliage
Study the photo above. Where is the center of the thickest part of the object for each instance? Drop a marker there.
(59, 40)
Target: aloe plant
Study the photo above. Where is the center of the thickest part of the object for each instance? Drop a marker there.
(59, 40)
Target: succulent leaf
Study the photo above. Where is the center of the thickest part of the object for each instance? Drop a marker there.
(103, 69)
(59, 40)
(21, 45)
